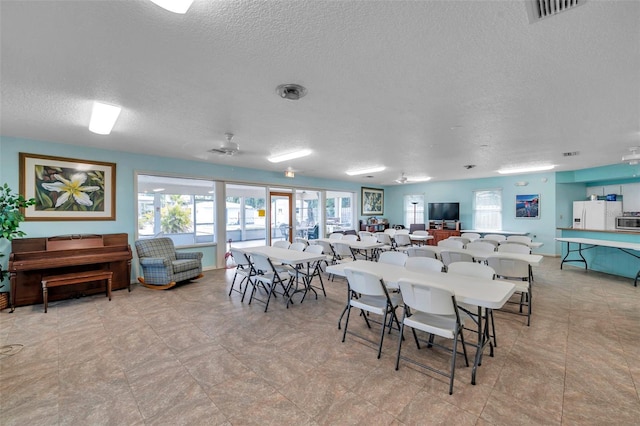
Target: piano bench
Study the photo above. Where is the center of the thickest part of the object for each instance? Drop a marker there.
(74, 278)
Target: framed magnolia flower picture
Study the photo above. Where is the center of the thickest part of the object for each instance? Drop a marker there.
(67, 188)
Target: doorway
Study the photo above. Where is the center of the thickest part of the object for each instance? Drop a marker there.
(281, 216)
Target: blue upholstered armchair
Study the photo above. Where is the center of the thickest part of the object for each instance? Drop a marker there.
(163, 267)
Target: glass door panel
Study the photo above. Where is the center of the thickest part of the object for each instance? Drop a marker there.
(281, 216)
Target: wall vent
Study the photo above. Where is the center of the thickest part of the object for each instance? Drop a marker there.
(541, 9)
(570, 154)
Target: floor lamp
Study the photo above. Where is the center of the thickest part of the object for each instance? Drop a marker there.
(415, 203)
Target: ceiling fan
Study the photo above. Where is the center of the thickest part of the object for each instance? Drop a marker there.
(228, 147)
(402, 179)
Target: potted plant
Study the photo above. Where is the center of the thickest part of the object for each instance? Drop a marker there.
(11, 216)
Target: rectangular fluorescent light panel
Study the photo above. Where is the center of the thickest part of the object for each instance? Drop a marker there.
(175, 6)
(365, 171)
(289, 156)
(525, 169)
(103, 118)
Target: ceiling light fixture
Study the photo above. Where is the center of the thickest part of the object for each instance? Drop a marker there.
(632, 158)
(103, 118)
(175, 6)
(289, 156)
(158, 189)
(529, 169)
(289, 174)
(365, 171)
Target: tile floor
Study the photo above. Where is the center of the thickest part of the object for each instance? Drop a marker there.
(194, 356)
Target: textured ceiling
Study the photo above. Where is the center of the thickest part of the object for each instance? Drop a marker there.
(421, 87)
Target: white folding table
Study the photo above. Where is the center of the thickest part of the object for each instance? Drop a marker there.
(481, 292)
(589, 243)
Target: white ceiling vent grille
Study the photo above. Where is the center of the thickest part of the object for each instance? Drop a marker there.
(541, 9)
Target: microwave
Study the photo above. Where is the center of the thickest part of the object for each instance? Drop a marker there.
(628, 222)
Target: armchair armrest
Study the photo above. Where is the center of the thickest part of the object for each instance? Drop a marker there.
(155, 261)
(186, 255)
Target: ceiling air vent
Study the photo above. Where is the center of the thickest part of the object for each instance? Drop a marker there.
(570, 154)
(541, 9)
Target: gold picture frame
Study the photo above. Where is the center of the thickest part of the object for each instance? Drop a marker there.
(67, 188)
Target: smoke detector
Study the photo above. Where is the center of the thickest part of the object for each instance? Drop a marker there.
(293, 92)
(632, 158)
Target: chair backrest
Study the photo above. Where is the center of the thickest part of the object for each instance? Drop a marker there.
(495, 237)
(156, 247)
(416, 227)
(421, 252)
(326, 247)
(481, 246)
(509, 268)
(281, 244)
(364, 282)
(364, 234)
(350, 232)
(297, 246)
(383, 238)
(262, 263)
(420, 232)
(336, 236)
(522, 239)
(402, 239)
(390, 231)
(472, 236)
(471, 269)
(239, 257)
(393, 258)
(302, 240)
(314, 248)
(369, 239)
(495, 243)
(450, 243)
(342, 250)
(514, 248)
(463, 240)
(448, 257)
(424, 264)
(350, 237)
(425, 298)
(401, 231)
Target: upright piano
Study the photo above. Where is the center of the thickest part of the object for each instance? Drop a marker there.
(33, 258)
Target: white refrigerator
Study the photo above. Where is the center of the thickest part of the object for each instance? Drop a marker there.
(600, 215)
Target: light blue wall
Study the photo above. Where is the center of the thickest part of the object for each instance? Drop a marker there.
(542, 229)
(126, 165)
(557, 190)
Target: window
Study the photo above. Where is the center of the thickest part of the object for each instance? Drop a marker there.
(307, 214)
(339, 211)
(413, 209)
(179, 208)
(487, 209)
(246, 213)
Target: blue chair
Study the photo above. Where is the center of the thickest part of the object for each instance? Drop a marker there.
(163, 267)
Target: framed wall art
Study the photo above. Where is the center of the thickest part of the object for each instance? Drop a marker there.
(67, 188)
(528, 206)
(372, 201)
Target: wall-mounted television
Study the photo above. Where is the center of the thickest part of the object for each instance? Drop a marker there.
(444, 211)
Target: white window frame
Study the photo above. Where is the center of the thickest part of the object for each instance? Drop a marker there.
(487, 216)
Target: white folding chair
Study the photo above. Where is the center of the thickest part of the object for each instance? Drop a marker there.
(243, 269)
(306, 273)
(519, 239)
(364, 234)
(479, 270)
(393, 257)
(421, 251)
(281, 244)
(297, 246)
(385, 240)
(403, 241)
(432, 310)
(495, 237)
(336, 236)
(448, 257)
(264, 276)
(517, 272)
(514, 248)
(472, 236)
(451, 243)
(368, 293)
(424, 264)
(350, 237)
